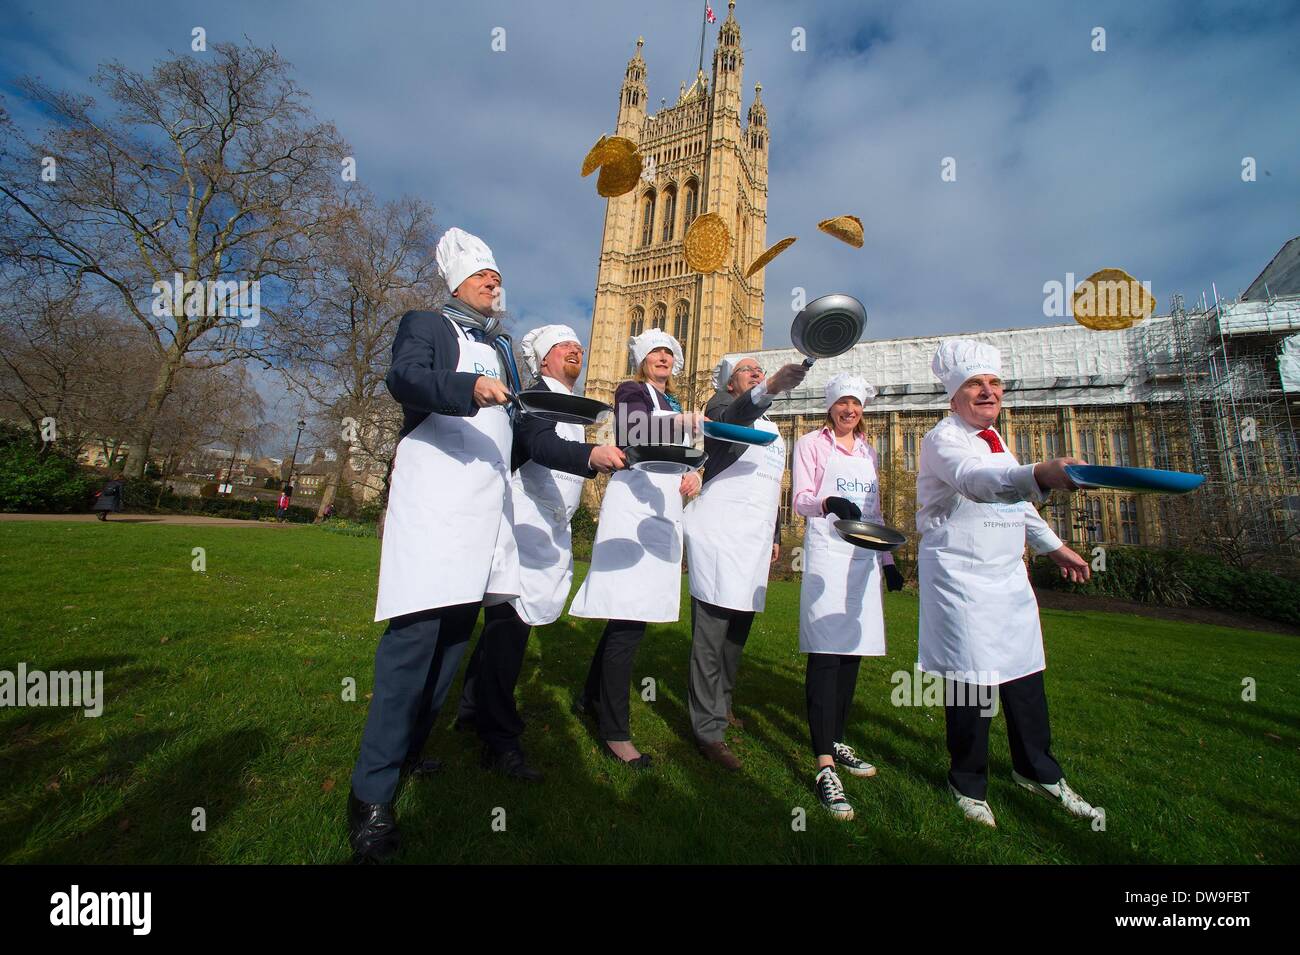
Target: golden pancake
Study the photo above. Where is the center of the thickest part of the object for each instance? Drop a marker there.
(769, 255)
(707, 243)
(845, 228)
(594, 157)
(1111, 299)
(619, 175)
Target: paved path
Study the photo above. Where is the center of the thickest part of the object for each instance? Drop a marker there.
(146, 519)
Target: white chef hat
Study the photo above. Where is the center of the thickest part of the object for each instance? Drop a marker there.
(958, 360)
(537, 343)
(652, 338)
(846, 383)
(725, 369)
(460, 255)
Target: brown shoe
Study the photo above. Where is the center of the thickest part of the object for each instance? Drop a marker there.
(721, 754)
(734, 721)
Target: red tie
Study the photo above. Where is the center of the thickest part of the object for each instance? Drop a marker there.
(991, 436)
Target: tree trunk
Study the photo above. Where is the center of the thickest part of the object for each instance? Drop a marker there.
(332, 484)
(138, 454)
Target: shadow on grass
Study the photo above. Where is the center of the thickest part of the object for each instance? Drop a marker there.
(153, 823)
(37, 741)
(77, 793)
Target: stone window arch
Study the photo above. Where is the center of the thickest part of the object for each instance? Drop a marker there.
(692, 205)
(647, 218)
(636, 325)
(669, 213)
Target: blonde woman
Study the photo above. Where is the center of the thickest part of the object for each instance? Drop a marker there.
(635, 576)
(841, 618)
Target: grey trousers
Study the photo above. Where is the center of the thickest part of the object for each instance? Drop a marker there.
(718, 636)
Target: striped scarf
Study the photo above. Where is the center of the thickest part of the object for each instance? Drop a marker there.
(490, 328)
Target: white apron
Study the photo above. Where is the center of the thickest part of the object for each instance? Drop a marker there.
(731, 525)
(636, 559)
(840, 609)
(544, 502)
(447, 534)
(979, 616)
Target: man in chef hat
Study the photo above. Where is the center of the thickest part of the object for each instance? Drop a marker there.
(730, 530)
(448, 539)
(544, 503)
(979, 623)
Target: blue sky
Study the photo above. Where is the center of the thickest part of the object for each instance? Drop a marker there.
(1068, 160)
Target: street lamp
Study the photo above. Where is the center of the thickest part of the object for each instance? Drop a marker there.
(230, 471)
(294, 457)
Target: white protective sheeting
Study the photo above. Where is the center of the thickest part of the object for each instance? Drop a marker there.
(1247, 318)
(1288, 364)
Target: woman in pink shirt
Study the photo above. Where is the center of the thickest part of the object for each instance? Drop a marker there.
(841, 618)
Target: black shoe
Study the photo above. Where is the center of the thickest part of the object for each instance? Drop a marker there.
(421, 768)
(372, 830)
(511, 763)
(641, 762)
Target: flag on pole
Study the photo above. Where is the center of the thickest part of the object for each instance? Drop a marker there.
(709, 15)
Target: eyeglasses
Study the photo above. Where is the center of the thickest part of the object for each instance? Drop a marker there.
(748, 370)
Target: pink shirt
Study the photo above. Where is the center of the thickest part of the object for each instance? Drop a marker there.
(811, 452)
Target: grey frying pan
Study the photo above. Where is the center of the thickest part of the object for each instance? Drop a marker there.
(828, 326)
(565, 409)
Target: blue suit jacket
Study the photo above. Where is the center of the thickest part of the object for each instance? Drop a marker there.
(424, 380)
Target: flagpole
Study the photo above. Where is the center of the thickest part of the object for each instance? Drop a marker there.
(704, 22)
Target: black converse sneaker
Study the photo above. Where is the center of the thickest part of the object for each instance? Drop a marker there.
(845, 756)
(831, 793)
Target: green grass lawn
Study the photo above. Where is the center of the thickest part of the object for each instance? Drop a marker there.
(223, 690)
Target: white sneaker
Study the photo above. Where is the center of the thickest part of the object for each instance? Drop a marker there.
(1060, 792)
(831, 793)
(976, 810)
(855, 765)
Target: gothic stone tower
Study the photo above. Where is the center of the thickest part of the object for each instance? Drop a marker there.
(699, 159)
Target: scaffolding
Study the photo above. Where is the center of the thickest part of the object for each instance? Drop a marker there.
(1215, 405)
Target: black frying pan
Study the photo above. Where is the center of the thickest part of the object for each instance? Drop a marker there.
(828, 326)
(869, 535)
(565, 409)
(664, 458)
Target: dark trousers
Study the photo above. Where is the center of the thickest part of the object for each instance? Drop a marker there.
(718, 636)
(415, 663)
(609, 679)
(488, 697)
(1024, 701)
(829, 681)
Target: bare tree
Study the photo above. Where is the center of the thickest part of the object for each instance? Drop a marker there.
(207, 406)
(211, 171)
(66, 357)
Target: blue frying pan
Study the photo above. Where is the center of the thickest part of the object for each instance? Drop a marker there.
(1142, 480)
(737, 434)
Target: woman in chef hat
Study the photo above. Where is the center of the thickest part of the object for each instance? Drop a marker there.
(841, 618)
(635, 576)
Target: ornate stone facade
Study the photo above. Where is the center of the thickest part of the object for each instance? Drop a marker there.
(699, 158)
